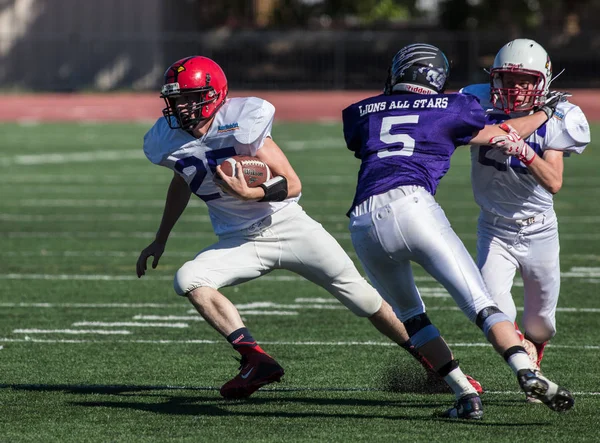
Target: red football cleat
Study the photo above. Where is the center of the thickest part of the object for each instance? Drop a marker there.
(256, 370)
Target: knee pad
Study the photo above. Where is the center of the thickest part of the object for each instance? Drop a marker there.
(420, 330)
(187, 279)
(538, 328)
(488, 317)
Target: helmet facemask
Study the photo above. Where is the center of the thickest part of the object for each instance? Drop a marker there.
(187, 108)
(526, 91)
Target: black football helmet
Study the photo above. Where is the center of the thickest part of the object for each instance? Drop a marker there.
(418, 68)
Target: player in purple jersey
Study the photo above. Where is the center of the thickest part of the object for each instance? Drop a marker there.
(404, 139)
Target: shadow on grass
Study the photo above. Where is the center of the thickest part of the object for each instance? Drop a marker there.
(263, 404)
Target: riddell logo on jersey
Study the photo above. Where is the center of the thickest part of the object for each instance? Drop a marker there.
(228, 128)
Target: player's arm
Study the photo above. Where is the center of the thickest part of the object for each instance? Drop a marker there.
(177, 199)
(272, 155)
(284, 184)
(548, 170)
(525, 126)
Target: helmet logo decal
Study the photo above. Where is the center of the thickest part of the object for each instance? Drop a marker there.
(180, 68)
(548, 67)
(435, 76)
(170, 89)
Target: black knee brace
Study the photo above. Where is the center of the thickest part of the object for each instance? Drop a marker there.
(420, 330)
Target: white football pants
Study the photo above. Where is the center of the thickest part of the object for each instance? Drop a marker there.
(415, 228)
(288, 239)
(503, 246)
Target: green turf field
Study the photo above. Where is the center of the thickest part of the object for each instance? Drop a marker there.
(89, 353)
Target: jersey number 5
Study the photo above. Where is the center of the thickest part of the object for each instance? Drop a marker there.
(385, 135)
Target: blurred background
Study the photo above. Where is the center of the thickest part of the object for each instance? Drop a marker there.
(125, 45)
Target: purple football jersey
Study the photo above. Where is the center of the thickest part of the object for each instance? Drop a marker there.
(407, 139)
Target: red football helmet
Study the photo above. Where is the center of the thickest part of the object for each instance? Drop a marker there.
(194, 89)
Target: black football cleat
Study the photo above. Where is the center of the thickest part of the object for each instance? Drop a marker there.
(467, 407)
(538, 387)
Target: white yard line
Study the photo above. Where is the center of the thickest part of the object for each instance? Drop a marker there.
(39, 218)
(256, 312)
(592, 275)
(157, 203)
(72, 157)
(269, 304)
(47, 253)
(168, 317)
(114, 253)
(122, 277)
(125, 179)
(315, 300)
(220, 342)
(130, 324)
(150, 234)
(198, 318)
(84, 203)
(70, 331)
(242, 307)
(93, 305)
(102, 234)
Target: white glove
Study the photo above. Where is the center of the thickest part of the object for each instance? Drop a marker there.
(512, 144)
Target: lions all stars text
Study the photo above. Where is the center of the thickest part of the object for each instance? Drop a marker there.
(438, 102)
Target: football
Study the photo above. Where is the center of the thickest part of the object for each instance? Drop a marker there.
(255, 171)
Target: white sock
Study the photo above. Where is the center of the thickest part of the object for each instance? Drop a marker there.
(459, 383)
(518, 361)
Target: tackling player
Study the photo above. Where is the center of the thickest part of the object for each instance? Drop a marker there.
(259, 229)
(514, 181)
(404, 139)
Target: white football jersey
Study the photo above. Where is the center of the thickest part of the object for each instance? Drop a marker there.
(502, 184)
(239, 128)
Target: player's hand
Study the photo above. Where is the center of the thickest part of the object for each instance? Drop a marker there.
(153, 249)
(553, 98)
(512, 144)
(236, 186)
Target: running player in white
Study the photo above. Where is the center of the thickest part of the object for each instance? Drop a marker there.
(514, 182)
(259, 229)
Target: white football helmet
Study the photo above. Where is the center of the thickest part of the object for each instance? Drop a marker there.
(520, 56)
